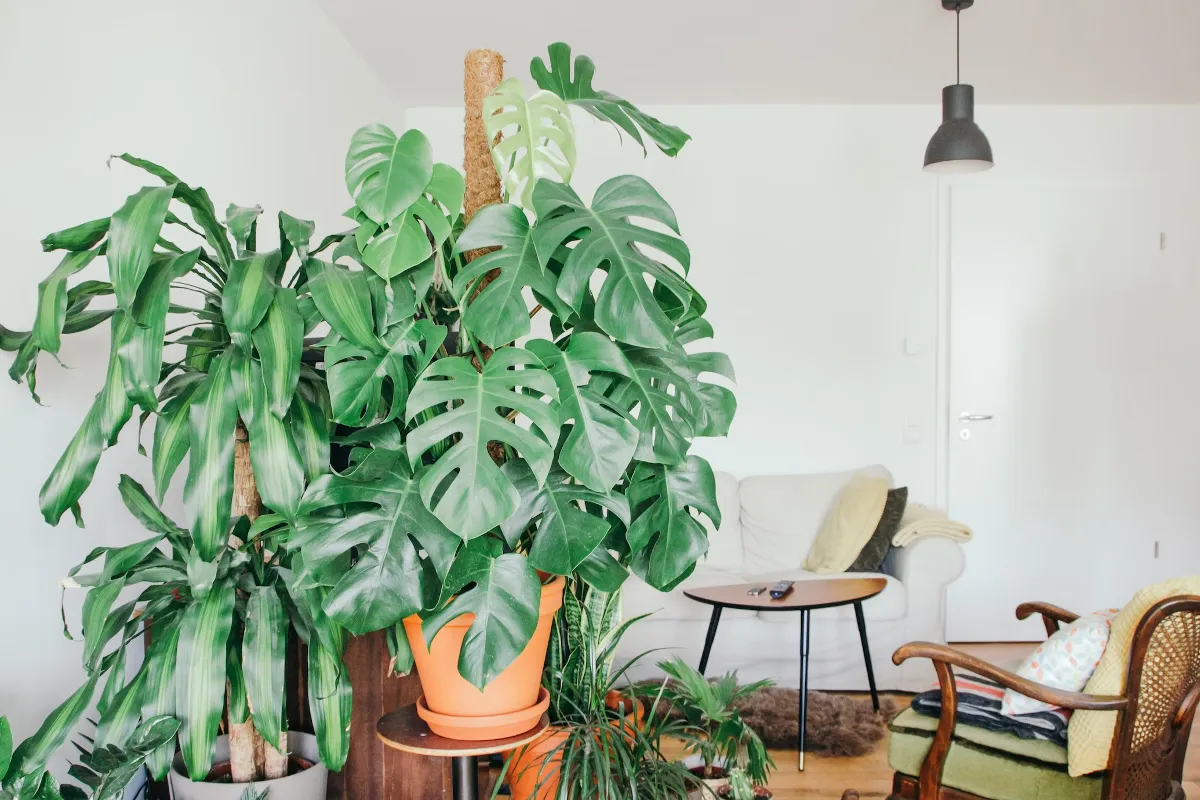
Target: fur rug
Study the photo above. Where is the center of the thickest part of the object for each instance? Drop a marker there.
(837, 725)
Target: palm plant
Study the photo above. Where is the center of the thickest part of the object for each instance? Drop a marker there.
(717, 732)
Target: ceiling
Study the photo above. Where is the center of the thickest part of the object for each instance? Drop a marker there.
(797, 51)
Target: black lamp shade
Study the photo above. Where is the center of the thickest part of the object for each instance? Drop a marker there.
(958, 145)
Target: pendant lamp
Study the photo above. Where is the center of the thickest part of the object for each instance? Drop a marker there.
(958, 145)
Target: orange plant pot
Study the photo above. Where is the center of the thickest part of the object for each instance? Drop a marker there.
(516, 688)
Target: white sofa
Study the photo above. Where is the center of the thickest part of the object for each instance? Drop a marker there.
(768, 523)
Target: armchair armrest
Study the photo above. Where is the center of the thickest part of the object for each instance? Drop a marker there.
(944, 658)
(1051, 615)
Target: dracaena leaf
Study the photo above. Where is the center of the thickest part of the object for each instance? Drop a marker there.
(665, 537)
(308, 419)
(278, 471)
(498, 314)
(242, 222)
(626, 306)
(330, 702)
(386, 173)
(120, 718)
(52, 301)
(297, 233)
(505, 599)
(279, 340)
(30, 757)
(208, 491)
(577, 90)
(248, 294)
(141, 352)
(131, 238)
(172, 435)
(600, 438)
(464, 487)
(83, 236)
(263, 654)
(200, 676)
(158, 696)
(537, 138)
(344, 299)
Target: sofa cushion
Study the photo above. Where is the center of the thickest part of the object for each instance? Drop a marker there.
(640, 597)
(848, 526)
(999, 766)
(890, 604)
(781, 515)
(725, 546)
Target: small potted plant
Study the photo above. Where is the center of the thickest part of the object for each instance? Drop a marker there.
(716, 731)
(740, 787)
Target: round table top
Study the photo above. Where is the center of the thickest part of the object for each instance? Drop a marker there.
(403, 730)
(812, 593)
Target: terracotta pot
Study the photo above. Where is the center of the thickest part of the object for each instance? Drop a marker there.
(709, 787)
(725, 792)
(533, 770)
(516, 688)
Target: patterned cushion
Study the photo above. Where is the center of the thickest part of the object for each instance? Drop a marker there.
(1064, 661)
(979, 707)
(991, 764)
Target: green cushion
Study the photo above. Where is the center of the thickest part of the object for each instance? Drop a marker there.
(998, 766)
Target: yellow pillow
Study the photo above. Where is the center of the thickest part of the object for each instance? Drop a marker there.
(1090, 733)
(848, 526)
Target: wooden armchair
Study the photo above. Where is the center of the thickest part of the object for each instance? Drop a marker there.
(1154, 719)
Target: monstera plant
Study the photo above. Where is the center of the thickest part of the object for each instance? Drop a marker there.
(491, 453)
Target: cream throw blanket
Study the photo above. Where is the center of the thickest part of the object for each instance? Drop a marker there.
(919, 521)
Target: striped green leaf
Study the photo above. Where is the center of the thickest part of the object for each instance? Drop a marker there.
(200, 671)
(114, 664)
(30, 757)
(120, 718)
(144, 509)
(83, 236)
(208, 491)
(297, 233)
(343, 297)
(5, 746)
(279, 340)
(309, 424)
(141, 352)
(329, 703)
(237, 705)
(52, 301)
(131, 238)
(158, 695)
(172, 435)
(242, 222)
(115, 405)
(96, 608)
(248, 294)
(73, 473)
(278, 470)
(264, 649)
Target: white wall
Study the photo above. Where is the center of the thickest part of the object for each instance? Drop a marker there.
(253, 99)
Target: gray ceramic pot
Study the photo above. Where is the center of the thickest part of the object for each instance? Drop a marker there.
(309, 784)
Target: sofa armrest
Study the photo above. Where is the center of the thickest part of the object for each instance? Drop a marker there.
(925, 567)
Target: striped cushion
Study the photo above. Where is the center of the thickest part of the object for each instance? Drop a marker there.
(979, 705)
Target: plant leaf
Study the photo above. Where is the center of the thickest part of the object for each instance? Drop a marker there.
(464, 487)
(279, 340)
(248, 294)
(566, 533)
(386, 174)
(658, 392)
(537, 138)
(158, 697)
(52, 301)
(264, 649)
(626, 307)
(120, 718)
(141, 352)
(505, 600)
(601, 571)
(242, 222)
(357, 376)
(600, 440)
(83, 236)
(309, 424)
(278, 471)
(200, 675)
(131, 238)
(172, 435)
(665, 537)
(330, 703)
(600, 104)
(343, 297)
(297, 233)
(208, 491)
(498, 314)
(30, 757)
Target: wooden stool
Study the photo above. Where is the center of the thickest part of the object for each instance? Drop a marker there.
(404, 730)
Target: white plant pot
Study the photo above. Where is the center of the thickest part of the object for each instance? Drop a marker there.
(309, 784)
(708, 788)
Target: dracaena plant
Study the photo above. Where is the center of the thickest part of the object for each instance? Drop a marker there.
(487, 452)
(207, 336)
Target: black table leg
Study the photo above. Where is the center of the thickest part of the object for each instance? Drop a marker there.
(713, 621)
(862, 637)
(466, 778)
(804, 636)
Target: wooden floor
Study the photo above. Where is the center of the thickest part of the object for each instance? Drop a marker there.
(869, 774)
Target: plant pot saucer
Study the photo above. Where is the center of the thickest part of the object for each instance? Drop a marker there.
(478, 729)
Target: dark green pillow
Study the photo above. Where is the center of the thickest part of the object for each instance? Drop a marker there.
(876, 549)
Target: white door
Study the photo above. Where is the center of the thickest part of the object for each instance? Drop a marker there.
(1074, 394)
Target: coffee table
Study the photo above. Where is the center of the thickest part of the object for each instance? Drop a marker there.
(404, 730)
(806, 596)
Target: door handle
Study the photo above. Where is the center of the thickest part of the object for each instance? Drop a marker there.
(965, 417)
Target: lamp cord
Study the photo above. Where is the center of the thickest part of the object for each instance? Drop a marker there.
(958, 44)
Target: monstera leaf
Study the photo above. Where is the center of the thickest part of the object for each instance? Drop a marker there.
(711, 405)
(664, 536)
(626, 306)
(498, 314)
(538, 138)
(386, 173)
(464, 487)
(600, 104)
(600, 439)
(357, 376)
(406, 241)
(566, 533)
(505, 599)
(390, 580)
